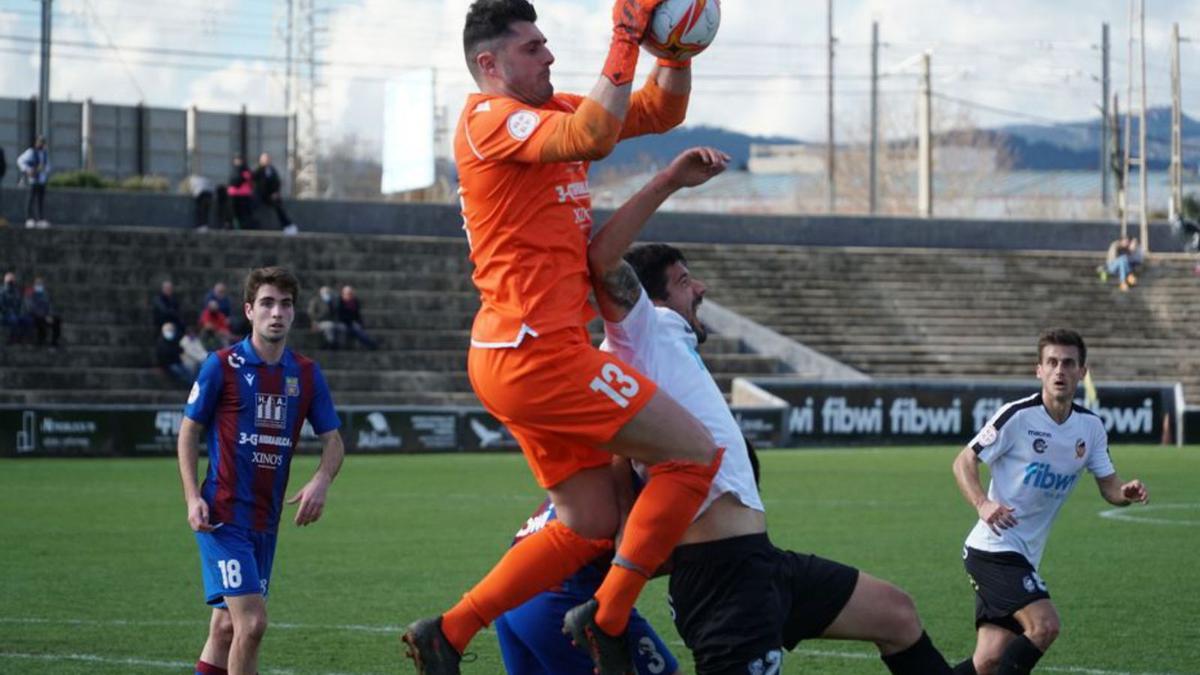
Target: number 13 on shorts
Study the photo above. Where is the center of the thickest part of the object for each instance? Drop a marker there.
(615, 384)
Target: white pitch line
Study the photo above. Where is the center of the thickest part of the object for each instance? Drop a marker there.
(350, 627)
(365, 628)
(131, 661)
(1133, 514)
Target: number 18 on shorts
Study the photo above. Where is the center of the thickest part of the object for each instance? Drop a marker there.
(235, 561)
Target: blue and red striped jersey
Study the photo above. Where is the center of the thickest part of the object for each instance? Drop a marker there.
(254, 412)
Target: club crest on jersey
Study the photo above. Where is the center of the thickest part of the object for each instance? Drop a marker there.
(987, 435)
(1039, 445)
(1080, 448)
(522, 123)
(270, 411)
(292, 386)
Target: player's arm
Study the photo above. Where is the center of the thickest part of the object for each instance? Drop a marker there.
(312, 496)
(188, 449)
(591, 132)
(616, 285)
(661, 104)
(1122, 494)
(966, 475)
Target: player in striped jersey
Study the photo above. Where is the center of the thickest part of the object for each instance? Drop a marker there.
(1036, 447)
(253, 398)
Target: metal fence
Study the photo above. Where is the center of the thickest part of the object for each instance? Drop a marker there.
(119, 141)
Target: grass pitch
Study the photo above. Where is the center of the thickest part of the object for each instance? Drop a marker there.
(101, 575)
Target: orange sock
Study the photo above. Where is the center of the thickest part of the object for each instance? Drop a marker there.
(660, 516)
(538, 562)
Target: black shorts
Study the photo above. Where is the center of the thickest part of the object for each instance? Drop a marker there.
(1004, 583)
(740, 600)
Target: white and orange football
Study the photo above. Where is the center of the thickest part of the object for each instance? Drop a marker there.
(681, 29)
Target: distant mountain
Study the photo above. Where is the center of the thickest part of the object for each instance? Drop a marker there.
(1038, 147)
(1076, 145)
(646, 151)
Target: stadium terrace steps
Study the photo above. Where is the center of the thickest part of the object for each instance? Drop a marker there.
(899, 313)
(893, 313)
(416, 292)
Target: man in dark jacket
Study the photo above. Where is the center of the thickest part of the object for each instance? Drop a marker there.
(267, 186)
(12, 309)
(45, 321)
(350, 316)
(168, 355)
(166, 307)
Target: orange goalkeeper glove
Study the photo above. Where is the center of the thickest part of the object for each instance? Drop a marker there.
(631, 18)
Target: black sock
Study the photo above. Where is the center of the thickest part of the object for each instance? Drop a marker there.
(1019, 657)
(966, 667)
(920, 658)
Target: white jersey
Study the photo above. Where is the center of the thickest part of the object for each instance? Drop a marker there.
(1035, 463)
(662, 346)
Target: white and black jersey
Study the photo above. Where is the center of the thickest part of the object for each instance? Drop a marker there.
(1035, 464)
(662, 346)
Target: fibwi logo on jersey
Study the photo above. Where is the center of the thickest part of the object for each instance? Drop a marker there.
(270, 411)
(1038, 474)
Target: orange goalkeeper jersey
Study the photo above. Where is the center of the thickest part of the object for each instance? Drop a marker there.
(528, 222)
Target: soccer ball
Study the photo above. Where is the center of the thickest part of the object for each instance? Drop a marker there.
(681, 29)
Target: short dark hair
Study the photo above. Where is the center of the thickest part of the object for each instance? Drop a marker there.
(271, 276)
(1064, 338)
(650, 263)
(490, 19)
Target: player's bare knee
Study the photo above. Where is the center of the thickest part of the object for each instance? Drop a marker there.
(904, 612)
(251, 626)
(1043, 633)
(902, 627)
(220, 629)
(255, 628)
(987, 664)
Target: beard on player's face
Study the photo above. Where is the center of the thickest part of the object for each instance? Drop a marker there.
(531, 88)
(523, 65)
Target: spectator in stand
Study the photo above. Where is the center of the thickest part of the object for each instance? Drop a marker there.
(168, 356)
(12, 309)
(166, 307)
(35, 169)
(219, 293)
(267, 186)
(1137, 257)
(193, 351)
(323, 312)
(39, 309)
(350, 316)
(214, 327)
(224, 208)
(1116, 261)
(238, 325)
(241, 193)
(202, 190)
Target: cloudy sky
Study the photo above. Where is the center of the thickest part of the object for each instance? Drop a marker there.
(1018, 61)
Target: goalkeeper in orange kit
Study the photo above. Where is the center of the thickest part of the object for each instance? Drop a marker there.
(522, 153)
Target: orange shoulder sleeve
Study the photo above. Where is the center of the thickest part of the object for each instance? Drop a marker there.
(653, 110)
(504, 129)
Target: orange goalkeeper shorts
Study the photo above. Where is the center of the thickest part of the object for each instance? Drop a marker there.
(560, 397)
